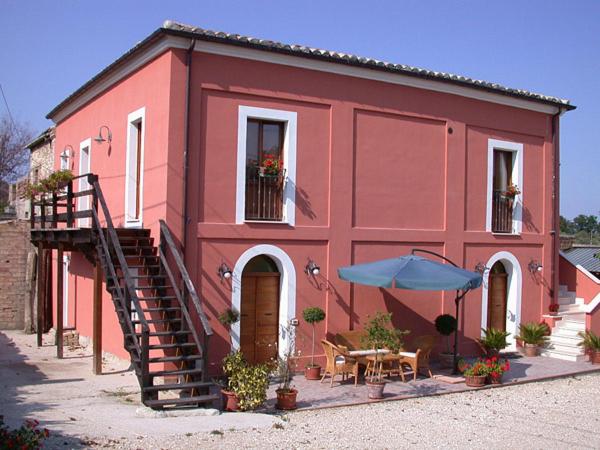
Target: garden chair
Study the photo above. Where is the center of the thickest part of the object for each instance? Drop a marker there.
(338, 363)
(419, 359)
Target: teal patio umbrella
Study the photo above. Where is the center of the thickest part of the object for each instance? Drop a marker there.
(416, 273)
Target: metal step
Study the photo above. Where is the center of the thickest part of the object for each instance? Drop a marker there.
(166, 309)
(168, 373)
(174, 319)
(162, 333)
(181, 401)
(169, 387)
(163, 359)
(172, 346)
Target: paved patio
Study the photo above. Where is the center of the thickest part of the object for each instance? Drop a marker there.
(316, 395)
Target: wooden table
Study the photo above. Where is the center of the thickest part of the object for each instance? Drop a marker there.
(376, 362)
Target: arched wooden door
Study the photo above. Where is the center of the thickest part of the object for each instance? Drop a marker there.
(497, 297)
(259, 321)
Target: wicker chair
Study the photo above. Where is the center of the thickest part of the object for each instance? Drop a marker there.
(419, 359)
(338, 363)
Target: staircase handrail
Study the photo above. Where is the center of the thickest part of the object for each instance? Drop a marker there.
(168, 239)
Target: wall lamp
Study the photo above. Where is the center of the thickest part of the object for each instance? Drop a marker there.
(534, 266)
(312, 268)
(100, 139)
(481, 268)
(68, 151)
(224, 271)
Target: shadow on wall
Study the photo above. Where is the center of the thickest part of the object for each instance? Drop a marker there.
(528, 220)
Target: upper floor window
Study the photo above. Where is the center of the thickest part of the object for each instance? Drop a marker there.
(505, 182)
(266, 165)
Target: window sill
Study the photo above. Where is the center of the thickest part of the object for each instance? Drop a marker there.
(497, 233)
(272, 222)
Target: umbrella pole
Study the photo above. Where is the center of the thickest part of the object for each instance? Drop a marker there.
(455, 356)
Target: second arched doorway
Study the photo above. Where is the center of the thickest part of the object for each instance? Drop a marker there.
(259, 310)
(497, 297)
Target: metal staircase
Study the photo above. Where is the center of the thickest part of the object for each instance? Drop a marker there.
(152, 293)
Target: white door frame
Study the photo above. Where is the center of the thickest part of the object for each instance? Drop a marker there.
(130, 163)
(287, 291)
(84, 202)
(514, 291)
(66, 262)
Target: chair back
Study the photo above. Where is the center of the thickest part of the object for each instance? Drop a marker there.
(350, 339)
(328, 348)
(425, 344)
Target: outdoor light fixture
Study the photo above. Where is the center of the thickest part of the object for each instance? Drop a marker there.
(99, 139)
(481, 268)
(224, 271)
(534, 266)
(68, 151)
(312, 268)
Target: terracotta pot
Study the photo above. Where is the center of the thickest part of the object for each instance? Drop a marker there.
(230, 401)
(375, 389)
(286, 399)
(312, 372)
(475, 380)
(595, 357)
(495, 379)
(531, 350)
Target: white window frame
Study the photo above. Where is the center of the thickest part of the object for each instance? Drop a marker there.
(65, 160)
(517, 178)
(289, 118)
(84, 203)
(134, 117)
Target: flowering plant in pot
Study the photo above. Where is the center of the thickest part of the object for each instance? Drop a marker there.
(313, 315)
(445, 324)
(270, 166)
(533, 335)
(553, 309)
(476, 374)
(493, 340)
(247, 384)
(512, 191)
(379, 334)
(286, 393)
(496, 368)
(591, 343)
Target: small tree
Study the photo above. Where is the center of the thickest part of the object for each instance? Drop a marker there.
(379, 334)
(312, 316)
(445, 324)
(14, 155)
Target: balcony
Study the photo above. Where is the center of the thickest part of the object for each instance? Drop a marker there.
(264, 197)
(502, 213)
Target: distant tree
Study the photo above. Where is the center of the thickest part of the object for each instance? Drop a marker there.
(586, 223)
(14, 156)
(567, 226)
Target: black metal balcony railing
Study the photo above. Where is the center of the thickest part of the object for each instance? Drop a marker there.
(502, 213)
(264, 197)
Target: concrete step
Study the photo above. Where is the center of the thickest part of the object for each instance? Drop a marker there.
(566, 349)
(566, 298)
(550, 353)
(570, 308)
(572, 322)
(566, 340)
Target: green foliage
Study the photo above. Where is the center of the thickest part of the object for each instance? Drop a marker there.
(590, 341)
(229, 317)
(533, 333)
(313, 315)
(54, 182)
(445, 324)
(27, 437)
(584, 228)
(379, 333)
(494, 339)
(248, 382)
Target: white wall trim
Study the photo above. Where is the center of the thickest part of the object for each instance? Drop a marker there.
(588, 308)
(517, 178)
(137, 61)
(514, 288)
(138, 115)
(84, 202)
(287, 290)
(66, 262)
(289, 159)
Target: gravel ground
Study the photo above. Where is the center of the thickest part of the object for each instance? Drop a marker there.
(561, 413)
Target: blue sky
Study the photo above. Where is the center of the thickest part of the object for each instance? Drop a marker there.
(49, 48)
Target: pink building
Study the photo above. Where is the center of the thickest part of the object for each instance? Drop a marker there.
(262, 158)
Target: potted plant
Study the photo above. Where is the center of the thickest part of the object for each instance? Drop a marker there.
(591, 343)
(553, 309)
(496, 368)
(270, 166)
(247, 384)
(493, 340)
(312, 316)
(286, 393)
(229, 317)
(512, 191)
(533, 335)
(476, 374)
(445, 324)
(380, 335)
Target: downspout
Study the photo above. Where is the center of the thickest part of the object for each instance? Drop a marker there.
(186, 124)
(555, 203)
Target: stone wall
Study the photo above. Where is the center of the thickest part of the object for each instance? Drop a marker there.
(14, 283)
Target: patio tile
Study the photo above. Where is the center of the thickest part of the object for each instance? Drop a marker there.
(316, 395)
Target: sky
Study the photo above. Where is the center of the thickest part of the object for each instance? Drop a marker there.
(50, 48)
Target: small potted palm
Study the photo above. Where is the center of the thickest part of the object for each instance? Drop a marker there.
(313, 315)
(533, 335)
(379, 334)
(445, 324)
(591, 343)
(493, 340)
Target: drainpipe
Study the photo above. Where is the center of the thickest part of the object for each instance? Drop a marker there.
(556, 205)
(186, 122)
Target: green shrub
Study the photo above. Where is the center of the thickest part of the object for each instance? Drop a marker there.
(229, 317)
(27, 437)
(590, 341)
(445, 324)
(313, 315)
(494, 339)
(248, 382)
(533, 333)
